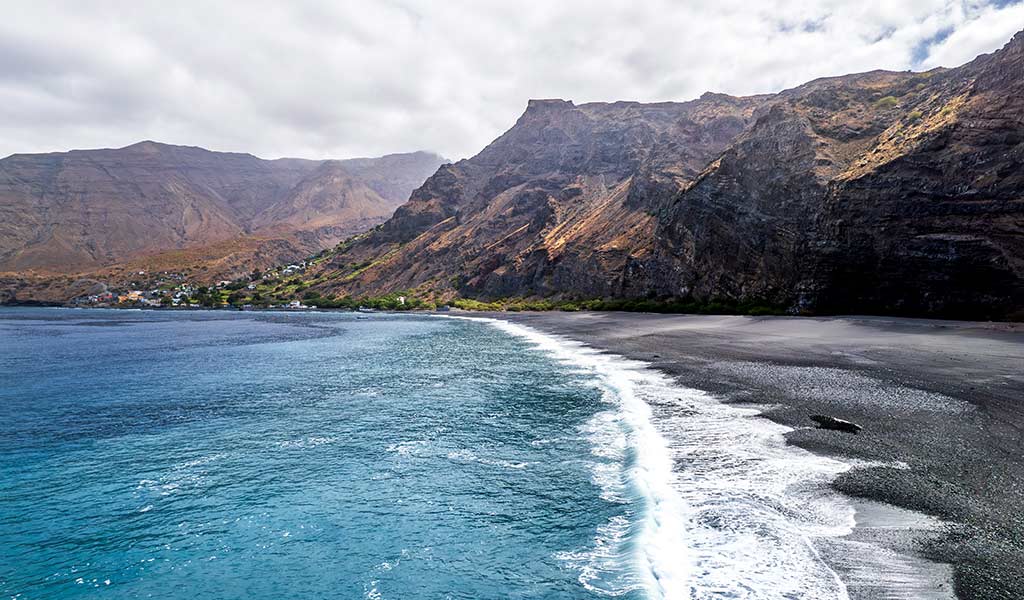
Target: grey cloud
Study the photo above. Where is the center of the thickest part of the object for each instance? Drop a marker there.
(325, 79)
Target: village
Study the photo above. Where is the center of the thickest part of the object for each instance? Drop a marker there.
(169, 289)
(282, 288)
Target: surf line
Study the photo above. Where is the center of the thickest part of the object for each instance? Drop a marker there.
(659, 552)
(739, 516)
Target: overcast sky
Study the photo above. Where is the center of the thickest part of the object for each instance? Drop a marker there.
(342, 79)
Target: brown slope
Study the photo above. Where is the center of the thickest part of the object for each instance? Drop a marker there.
(341, 198)
(80, 210)
(743, 230)
(937, 208)
(201, 265)
(882, 192)
(394, 176)
(561, 201)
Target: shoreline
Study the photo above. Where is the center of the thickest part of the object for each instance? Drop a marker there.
(938, 321)
(726, 446)
(936, 398)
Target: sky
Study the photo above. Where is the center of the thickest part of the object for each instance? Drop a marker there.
(339, 79)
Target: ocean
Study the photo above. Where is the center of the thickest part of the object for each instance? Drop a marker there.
(155, 454)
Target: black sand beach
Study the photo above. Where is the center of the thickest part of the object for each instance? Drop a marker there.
(941, 404)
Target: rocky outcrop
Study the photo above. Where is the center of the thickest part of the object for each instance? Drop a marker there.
(935, 225)
(564, 201)
(876, 192)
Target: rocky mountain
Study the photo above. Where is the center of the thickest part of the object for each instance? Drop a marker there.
(877, 192)
(85, 209)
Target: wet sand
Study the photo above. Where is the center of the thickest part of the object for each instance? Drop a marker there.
(942, 406)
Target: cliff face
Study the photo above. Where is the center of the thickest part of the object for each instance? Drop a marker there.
(876, 192)
(67, 212)
(896, 193)
(565, 201)
(933, 221)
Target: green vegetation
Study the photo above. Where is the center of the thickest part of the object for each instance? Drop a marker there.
(278, 293)
(394, 301)
(470, 304)
(887, 102)
(673, 305)
(359, 268)
(206, 297)
(915, 115)
(266, 290)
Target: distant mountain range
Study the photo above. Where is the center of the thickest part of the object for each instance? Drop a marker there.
(78, 211)
(881, 192)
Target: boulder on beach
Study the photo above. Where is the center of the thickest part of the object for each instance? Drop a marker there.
(827, 422)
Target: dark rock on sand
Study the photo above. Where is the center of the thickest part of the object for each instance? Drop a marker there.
(827, 422)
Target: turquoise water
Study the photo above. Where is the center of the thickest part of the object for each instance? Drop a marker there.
(259, 455)
(334, 455)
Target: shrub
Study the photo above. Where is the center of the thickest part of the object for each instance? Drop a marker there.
(653, 305)
(759, 310)
(470, 304)
(887, 102)
(915, 115)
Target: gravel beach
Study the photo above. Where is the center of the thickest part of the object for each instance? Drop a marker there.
(941, 404)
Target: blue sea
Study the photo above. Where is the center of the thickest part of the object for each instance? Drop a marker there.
(154, 454)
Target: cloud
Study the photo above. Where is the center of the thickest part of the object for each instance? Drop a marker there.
(324, 79)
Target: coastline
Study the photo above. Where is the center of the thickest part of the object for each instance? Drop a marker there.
(728, 524)
(942, 427)
(939, 401)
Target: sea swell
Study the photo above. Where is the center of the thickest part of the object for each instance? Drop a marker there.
(717, 505)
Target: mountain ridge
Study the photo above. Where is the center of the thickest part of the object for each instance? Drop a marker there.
(891, 192)
(85, 209)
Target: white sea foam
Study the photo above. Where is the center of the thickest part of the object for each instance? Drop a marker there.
(408, 448)
(468, 456)
(600, 566)
(544, 442)
(659, 554)
(729, 510)
(307, 442)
